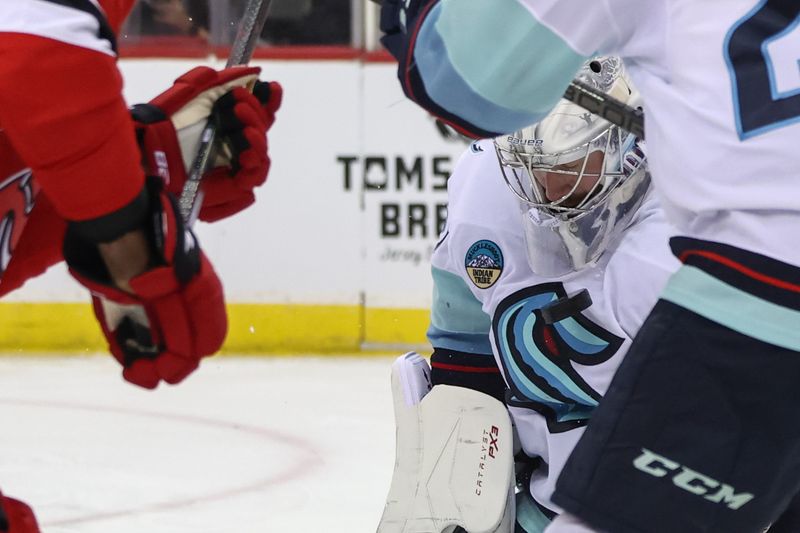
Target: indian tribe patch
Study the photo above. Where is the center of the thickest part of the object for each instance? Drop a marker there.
(484, 263)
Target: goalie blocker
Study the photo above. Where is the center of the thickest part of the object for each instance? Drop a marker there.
(454, 464)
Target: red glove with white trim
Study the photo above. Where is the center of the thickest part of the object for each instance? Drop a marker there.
(175, 314)
(169, 128)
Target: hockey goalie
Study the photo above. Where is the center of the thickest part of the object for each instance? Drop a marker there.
(542, 276)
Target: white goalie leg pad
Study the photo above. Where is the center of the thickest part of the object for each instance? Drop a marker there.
(454, 461)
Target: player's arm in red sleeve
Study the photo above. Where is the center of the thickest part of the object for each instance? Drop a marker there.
(62, 107)
(156, 295)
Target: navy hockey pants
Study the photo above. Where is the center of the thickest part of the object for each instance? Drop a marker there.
(700, 428)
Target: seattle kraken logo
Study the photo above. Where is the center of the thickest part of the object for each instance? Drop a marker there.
(538, 359)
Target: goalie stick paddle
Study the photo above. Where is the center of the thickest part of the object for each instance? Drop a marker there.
(255, 14)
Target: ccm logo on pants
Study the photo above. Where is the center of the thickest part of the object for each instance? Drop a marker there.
(687, 479)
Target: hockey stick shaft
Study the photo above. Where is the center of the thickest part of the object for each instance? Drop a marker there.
(255, 14)
(607, 107)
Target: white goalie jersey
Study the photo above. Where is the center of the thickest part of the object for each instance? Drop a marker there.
(557, 363)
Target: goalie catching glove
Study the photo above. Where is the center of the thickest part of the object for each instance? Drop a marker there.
(175, 314)
(169, 129)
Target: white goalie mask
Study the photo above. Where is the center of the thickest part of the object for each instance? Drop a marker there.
(580, 179)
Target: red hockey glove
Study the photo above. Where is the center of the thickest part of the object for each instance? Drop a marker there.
(176, 313)
(169, 129)
(16, 517)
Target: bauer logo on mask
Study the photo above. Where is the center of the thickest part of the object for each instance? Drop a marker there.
(484, 263)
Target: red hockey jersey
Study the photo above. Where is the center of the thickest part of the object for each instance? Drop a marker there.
(63, 121)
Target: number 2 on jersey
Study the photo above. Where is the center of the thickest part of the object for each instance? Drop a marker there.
(761, 50)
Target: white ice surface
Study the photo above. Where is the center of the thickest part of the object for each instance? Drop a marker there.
(280, 445)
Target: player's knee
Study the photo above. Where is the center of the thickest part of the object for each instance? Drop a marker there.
(16, 517)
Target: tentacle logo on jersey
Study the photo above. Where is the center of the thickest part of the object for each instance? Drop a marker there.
(538, 359)
(484, 263)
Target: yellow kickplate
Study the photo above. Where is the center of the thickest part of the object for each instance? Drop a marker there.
(253, 328)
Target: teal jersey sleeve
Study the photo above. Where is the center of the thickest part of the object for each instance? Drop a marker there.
(458, 322)
(493, 64)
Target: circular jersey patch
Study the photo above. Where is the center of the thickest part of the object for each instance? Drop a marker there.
(484, 263)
